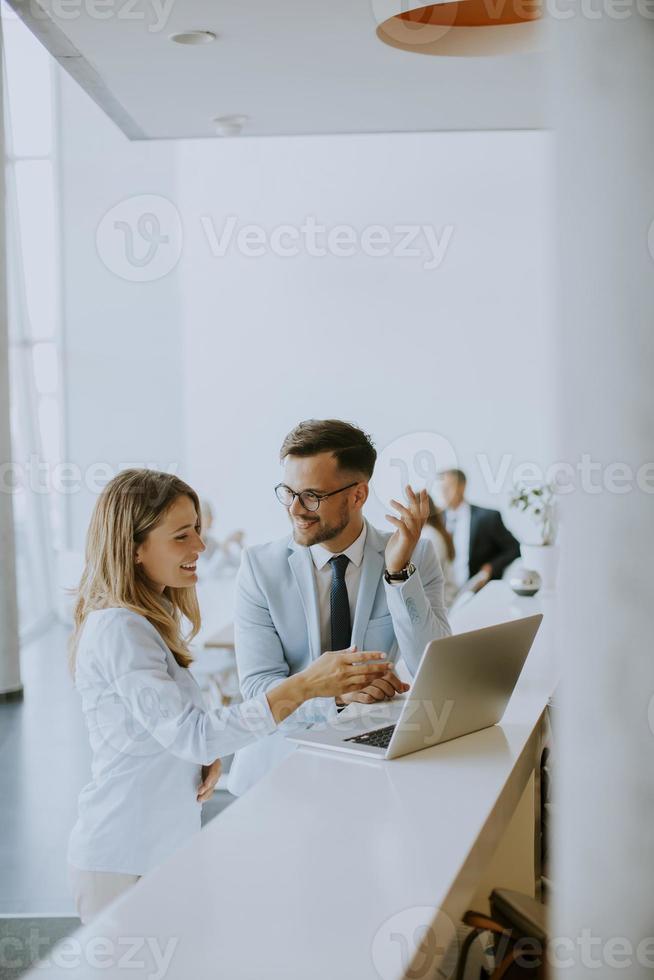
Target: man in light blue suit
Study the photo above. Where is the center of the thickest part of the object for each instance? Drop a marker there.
(337, 582)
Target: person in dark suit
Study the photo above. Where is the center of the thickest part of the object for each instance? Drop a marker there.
(484, 547)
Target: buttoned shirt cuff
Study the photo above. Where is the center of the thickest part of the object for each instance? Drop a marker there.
(401, 591)
(267, 719)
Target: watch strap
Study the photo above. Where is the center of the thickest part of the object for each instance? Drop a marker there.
(402, 575)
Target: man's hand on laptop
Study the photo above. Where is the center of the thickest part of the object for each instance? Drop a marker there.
(383, 689)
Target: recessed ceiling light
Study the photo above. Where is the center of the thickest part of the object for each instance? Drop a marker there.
(193, 37)
(229, 125)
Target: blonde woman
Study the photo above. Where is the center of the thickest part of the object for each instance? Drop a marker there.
(156, 747)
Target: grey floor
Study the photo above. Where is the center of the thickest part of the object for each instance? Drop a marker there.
(44, 762)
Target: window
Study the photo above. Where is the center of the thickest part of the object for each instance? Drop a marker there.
(34, 320)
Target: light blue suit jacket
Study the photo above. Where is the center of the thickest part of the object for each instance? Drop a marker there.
(277, 628)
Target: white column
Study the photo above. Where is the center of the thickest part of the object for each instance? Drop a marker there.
(603, 81)
(9, 661)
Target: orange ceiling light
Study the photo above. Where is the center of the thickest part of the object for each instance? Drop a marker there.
(466, 27)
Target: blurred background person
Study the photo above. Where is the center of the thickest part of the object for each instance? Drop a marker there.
(483, 546)
(443, 544)
(220, 556)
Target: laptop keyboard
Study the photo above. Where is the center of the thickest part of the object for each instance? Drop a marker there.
(380, 738)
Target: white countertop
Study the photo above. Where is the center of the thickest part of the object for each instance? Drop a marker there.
(327, 868)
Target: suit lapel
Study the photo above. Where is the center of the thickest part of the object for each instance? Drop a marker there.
(302, 569)
(371, 573)
(475, 515)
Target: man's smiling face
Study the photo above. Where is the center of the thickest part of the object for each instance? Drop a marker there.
(321, 474)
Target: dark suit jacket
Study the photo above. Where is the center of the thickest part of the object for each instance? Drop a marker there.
(490, 541)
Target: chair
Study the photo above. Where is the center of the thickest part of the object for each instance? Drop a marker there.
(519, 926)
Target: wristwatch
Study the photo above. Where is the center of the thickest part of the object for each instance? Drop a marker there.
(402, 575)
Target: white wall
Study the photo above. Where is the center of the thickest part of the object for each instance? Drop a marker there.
(122, 366)
(604, 726)
(460, 350)
(209, 364)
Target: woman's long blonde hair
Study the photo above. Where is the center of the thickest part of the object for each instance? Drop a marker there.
(129, 507)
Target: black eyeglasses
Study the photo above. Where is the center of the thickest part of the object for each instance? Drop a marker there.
(308, 498)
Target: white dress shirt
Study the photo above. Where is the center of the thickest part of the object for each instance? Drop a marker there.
(279, 627)
(150, 734)
(322, 571)
(458, 524)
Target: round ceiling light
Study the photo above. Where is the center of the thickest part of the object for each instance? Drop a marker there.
(229, 125)
(193, 37)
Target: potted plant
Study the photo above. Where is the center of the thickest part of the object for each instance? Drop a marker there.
(538, 501)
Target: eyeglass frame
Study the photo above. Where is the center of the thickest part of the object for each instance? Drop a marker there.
(319, 496)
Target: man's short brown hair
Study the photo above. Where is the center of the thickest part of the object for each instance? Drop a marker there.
(459, 475)
(352, 447)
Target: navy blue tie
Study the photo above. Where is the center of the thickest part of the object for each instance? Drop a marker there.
(340, 604)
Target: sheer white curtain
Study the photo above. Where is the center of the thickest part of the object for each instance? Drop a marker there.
(34, 321)
(9, 661)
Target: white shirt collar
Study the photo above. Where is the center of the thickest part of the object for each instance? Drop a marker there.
(321, 555)
(462, 510)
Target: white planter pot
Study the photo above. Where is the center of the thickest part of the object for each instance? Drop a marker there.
(544, 559)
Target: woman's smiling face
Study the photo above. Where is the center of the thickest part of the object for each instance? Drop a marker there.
(169, 554)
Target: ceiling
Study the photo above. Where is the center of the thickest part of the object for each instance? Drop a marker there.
(293, 67)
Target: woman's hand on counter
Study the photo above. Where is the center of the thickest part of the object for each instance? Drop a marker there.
(210, 776)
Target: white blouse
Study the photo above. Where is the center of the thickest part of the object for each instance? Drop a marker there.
(150, 734)
(450, 588)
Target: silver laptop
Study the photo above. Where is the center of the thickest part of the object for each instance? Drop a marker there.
(463, 684)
